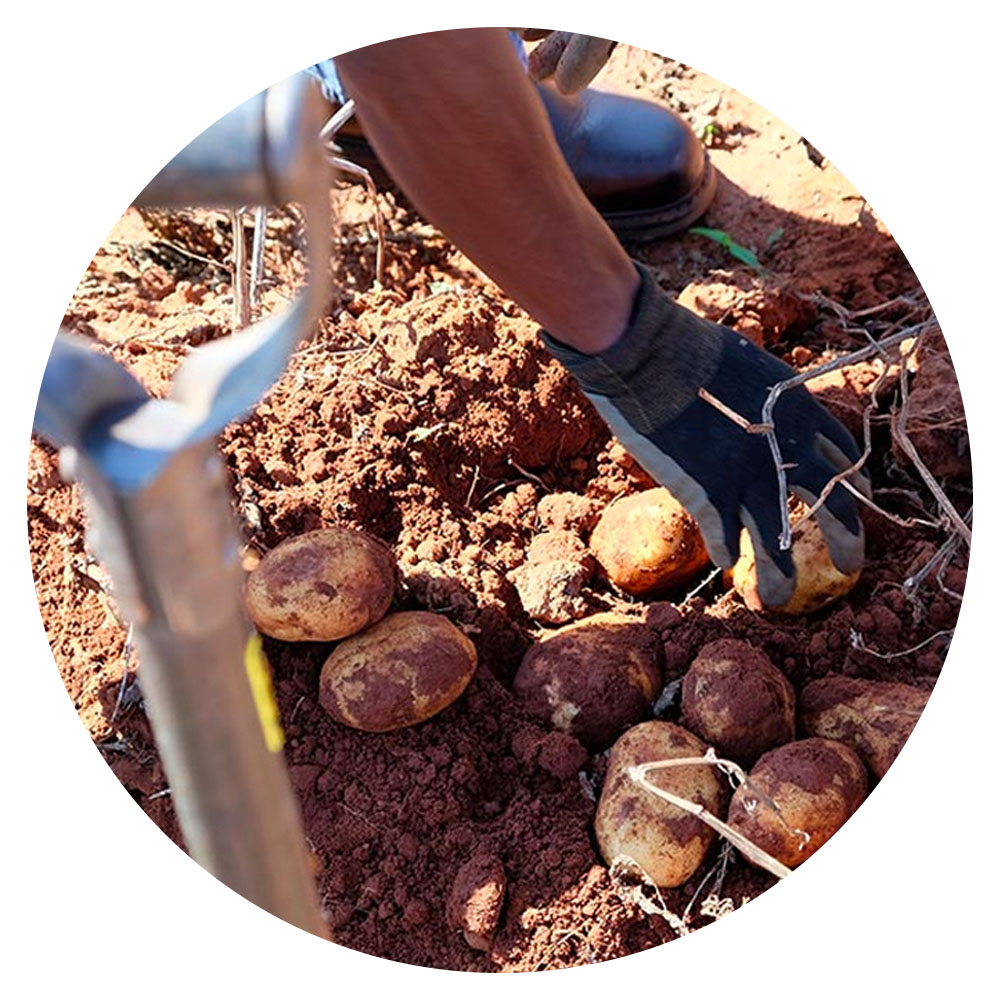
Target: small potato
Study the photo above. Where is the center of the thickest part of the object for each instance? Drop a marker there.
(737, 701)
(408, 667)
(817, 582)
(874, 719)
(320, 586)
(816, 784)
(593, 679)
(648, 542)
(667, 842)
(476, 900)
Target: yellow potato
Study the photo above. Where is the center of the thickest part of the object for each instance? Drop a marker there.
(408, 667)
(668, 843)
(320, 586)
(874, 719)
(818, 582)
(648, 542)
(594, 678)
(736, 700)
(816, 784)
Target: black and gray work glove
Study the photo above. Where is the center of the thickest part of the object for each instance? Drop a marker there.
(645, 386)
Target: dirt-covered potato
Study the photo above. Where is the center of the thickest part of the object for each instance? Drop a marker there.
(873, 718)
(593, 679)
(737, 701)
(667, 842)
(476, 900)
(816, 784)
(817, 581)
(320, 586)
(648, 542)
(403, 670)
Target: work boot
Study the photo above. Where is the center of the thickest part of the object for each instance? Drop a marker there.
(639, 163)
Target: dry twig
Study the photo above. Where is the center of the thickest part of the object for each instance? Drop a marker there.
(634, 894)
(126, 656)
(858, 642)
(899, 431)
(767, 413)
(757, 855)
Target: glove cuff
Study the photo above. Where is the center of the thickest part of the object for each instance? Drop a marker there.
(654, 370)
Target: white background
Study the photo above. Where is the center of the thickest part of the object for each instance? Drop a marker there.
(98, 96)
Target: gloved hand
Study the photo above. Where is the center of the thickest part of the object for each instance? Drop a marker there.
(645, 386)
(571, 59)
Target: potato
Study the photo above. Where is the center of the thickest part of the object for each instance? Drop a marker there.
(476, 900)
(816, 784)
(403, 670)
(592, 679)
(667, 842)
(817, 583)
(737, 701)
(648, 542)
(874, 719)
(321, 586)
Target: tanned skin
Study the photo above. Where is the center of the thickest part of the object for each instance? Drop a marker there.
(456, 121)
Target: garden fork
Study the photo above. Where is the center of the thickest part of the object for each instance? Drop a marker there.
(160, 518)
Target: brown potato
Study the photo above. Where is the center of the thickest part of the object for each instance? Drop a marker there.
(594, 678)
(818, 582)
(408, 667)
(667, 842)
(737, 701)
(320, 586)
(476, 900)
(816, 784)
(648, 542)
(874, 719)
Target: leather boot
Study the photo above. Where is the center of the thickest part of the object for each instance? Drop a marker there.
(638, 162)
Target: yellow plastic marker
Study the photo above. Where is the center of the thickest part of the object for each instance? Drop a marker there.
(262, 689)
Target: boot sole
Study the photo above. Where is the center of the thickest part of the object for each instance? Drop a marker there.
(643, 224)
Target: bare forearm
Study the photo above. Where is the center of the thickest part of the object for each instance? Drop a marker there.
(457, 123)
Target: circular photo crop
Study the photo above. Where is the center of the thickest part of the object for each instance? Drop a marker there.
(500, 500)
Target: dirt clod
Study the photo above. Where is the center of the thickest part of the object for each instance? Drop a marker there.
(551, 591)
(762, 312)
(569, 512)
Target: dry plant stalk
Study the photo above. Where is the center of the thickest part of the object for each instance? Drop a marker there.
(328, 136)
(765, 426)
(678, 925)
(899, 431)
(858, 642)
(767, 412)
(353, 170)
(758, 856)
